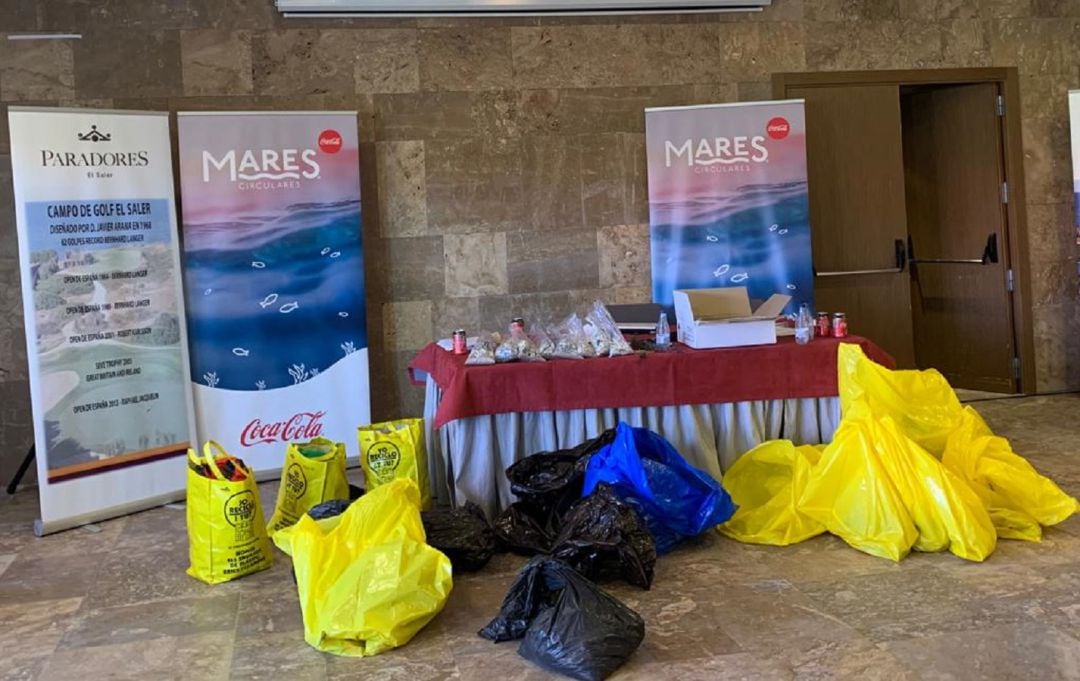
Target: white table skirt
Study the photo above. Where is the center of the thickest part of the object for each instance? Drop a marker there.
(467, 458)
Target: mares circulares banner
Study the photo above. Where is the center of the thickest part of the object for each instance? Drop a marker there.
(103, 303)
(274, 274)
(728, 199)
(1074, 124)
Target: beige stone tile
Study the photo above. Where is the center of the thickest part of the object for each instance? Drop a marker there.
(277, 656)
(413, 267)
(750, 51)
(427, 657)
(296, 62)
(91, 539)
(483, 195)
(36, 69)
(856, 46)
(754, 91)
(39, 579)
(552, 260)
(1047, 164)
(927, 10)
(108, 63)
(407, 325)
(859, 660)
(1036, 46)
(1018, 651)
(30, 634)
(1051, 233)
(475, 264)
(742, 666)
(216, 62)
(473, 58)
(1054, 282)
(1057, 359)
(446, 115)
(271, 610)
(965, 44)
(933, 602)
(450, 314)
(551, 181)
(386, 60)
(167, 619)
(197, 657)
(624, 256)
(402, 188)
(1045, 95)
(497, 311)
(5, 561)
(622, 54)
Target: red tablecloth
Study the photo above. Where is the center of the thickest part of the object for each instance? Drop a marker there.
(683, 376)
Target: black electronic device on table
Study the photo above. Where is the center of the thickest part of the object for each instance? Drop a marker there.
(637, 318)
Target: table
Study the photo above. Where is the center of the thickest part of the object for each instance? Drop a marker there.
(713, 405)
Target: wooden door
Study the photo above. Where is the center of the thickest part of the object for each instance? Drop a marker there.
(857, 210)
(961, 307)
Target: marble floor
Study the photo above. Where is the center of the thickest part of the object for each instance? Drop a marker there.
(111, 601)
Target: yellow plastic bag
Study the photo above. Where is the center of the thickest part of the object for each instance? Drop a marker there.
(850, 493)
(314, 472)
(766, 484)
(395, 450)
(1018, 498)
(888, 495)
(367, 581)
(226, 532)
(922, 403)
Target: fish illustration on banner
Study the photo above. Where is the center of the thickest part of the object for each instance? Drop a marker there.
(275, 276)
(728, 201)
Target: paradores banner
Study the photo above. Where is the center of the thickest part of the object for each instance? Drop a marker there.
(104, 310)
(728, 199)
(274, 275)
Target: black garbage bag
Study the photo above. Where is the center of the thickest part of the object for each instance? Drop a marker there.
(603, 538)
(463, 534)
(328, 509)
(546, 485)
(355, 492)
(526, 530)
(567, 624)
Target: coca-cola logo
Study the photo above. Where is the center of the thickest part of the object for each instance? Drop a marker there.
(330, 141)
(305, 425)
(778, 128)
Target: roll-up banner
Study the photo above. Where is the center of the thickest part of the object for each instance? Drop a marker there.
(1074, 125)
(274, 275)
(106, 339)
(728, 199)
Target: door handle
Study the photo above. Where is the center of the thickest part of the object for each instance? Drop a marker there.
(989, 255)
(899, 256)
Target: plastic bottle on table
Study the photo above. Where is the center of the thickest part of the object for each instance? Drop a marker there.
(804, 325)
(663, 333)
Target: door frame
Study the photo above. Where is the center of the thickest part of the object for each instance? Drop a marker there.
(1008, 82)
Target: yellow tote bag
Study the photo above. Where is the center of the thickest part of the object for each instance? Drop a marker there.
(394, 451)
(226, 532)
(313, 472)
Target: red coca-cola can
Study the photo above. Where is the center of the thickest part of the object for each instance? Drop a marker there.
(839, 325)
(822, 326)
(461, 342)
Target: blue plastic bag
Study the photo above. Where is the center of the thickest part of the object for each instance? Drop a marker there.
(675, 499)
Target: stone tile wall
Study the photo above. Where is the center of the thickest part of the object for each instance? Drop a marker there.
(503, 160)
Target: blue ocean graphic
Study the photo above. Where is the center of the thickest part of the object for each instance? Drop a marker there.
(758, 237)
(274, 300)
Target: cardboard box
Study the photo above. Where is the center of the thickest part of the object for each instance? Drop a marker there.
(722, 318)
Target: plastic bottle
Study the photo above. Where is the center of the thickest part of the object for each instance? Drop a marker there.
(663, 333)
(804, 325)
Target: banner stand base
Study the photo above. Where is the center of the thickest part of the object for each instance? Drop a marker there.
(23, 467)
